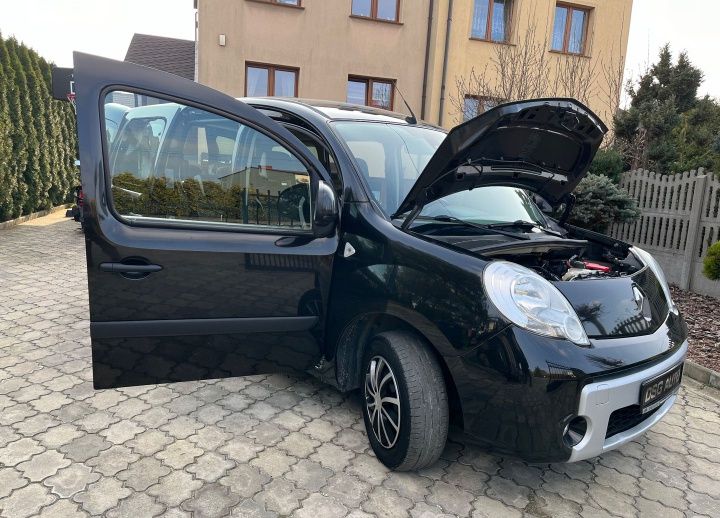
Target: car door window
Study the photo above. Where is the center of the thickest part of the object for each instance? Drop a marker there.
(175, 162)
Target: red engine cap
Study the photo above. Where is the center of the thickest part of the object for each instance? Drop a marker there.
(595, 266)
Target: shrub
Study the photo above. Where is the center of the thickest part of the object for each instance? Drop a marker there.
(608, 162)
(37, 135)
(600, 203)
(711, 264)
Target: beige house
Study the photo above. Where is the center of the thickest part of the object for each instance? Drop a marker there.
(450, 59)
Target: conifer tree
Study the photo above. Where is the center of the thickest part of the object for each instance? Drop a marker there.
(6, 180)
(38, 102)
(54, 135)
(31, 171)
(38, 144)
(19, 154)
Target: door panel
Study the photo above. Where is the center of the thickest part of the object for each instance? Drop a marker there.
(200, 254)
(123, 362)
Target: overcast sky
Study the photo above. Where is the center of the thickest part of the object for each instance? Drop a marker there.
(57, 27)
(690, 25)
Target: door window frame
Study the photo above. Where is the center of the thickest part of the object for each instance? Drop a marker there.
(238, 228)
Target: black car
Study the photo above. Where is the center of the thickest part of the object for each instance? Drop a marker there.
(433, 271)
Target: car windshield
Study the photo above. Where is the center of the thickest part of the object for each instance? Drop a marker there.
(487, 205)
(392, 156)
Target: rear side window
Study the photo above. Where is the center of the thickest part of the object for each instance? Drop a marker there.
(174, 162)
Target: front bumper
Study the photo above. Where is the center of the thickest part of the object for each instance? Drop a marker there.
(599, 400)
(519, 390)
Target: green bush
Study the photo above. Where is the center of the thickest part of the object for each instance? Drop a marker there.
(37, 135)
(600, 203)
(711, 264)
(608, 162)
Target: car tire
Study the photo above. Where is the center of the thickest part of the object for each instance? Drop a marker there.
(398, 367)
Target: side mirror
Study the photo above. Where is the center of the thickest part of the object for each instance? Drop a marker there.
(326, 211)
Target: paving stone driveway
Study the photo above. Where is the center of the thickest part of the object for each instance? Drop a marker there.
(268, 445)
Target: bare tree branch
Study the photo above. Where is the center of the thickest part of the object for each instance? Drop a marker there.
(526, 70)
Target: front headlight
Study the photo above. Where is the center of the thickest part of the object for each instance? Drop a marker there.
(648, 260)
(531, 302)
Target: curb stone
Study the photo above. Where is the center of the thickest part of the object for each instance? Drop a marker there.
(22, 219)
(702, 374)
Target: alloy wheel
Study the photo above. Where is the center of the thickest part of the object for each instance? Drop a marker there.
(382, 402)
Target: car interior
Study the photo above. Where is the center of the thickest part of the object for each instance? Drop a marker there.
(200, 154)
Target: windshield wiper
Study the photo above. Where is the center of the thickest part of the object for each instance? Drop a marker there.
(524, 224)
(488, 228)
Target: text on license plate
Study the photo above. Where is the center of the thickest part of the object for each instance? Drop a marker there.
(654, 391)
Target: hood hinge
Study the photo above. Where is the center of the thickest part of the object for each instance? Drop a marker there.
(411, 216)
(569, 199)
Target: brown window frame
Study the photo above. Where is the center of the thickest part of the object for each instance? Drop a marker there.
(374, 10)
(271, 68)
(368, 91)
(280, 3)
(568, 27)
(488, 22)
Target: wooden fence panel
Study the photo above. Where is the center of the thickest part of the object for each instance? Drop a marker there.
(680, 219)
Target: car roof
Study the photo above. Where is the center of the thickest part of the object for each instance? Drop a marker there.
(328, 110)
(335, 110)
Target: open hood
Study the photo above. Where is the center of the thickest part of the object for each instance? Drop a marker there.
(543, 145)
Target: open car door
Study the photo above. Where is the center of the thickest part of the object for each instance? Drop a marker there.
(210, 231)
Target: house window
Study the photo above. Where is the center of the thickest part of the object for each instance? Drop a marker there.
(491, 20)
(270, 80)
(475, 105)
(385, 10)
(295, 3)
(371, 92)
(570, 29)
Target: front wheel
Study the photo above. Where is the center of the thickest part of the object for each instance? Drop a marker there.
(405, 401)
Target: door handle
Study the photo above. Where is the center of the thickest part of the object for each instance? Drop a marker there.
(130, 268)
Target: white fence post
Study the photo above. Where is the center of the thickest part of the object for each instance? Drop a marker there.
(698, 199)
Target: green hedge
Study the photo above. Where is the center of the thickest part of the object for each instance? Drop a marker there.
(38, 143)
(711, 264)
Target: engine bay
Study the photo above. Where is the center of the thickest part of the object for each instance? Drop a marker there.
(582, 255)
(586, 262)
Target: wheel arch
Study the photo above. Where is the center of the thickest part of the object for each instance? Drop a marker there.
(357, 334)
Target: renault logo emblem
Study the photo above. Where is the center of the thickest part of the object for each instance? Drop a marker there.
(644, 308)
(639, 297)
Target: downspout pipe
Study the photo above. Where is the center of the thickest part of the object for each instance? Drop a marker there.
(427, 59)
(441, 116)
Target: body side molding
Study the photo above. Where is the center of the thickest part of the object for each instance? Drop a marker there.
(200, 326)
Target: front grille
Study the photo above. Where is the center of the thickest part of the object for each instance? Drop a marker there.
(625, 418)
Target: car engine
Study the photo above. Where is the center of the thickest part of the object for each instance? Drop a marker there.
(571, 260)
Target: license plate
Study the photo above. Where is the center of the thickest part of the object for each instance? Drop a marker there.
(654, 391)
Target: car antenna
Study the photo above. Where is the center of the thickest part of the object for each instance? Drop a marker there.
(411, 119)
